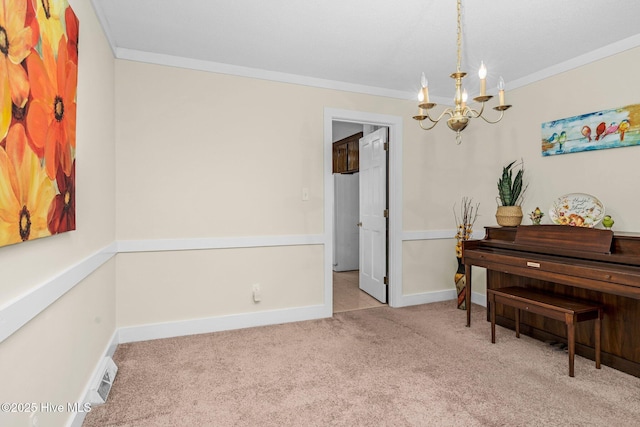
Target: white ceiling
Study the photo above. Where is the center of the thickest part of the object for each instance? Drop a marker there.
(372, 46)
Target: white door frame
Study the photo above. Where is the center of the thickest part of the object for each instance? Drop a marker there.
(394, 272)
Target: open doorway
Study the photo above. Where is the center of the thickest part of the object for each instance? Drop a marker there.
(360, 226)
(394, 201)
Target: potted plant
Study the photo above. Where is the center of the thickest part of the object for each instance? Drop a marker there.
(510, 192)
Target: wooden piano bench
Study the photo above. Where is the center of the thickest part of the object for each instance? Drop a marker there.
(549, 305)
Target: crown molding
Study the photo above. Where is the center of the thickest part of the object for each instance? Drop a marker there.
(579, 61)
(255, 73)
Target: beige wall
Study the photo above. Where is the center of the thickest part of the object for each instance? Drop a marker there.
(221, 156)
(52, 357)
(157, 287)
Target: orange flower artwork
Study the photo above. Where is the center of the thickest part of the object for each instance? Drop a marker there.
(26, 193)
(51, 120)
(15, 46)
(38, 83)
(49, 14)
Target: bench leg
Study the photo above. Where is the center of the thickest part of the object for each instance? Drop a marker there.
(492, 314)
(517, 323)
(597, 333)
(467, 298)
(571, 340)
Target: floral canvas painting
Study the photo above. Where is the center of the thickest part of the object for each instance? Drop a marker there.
(617, 127)
(38, 81)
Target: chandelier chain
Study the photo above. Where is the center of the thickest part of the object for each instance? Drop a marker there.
(459, 36)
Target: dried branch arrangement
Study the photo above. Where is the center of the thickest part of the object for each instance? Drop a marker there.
(464, 222)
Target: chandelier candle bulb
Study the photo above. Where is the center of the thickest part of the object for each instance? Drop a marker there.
(501, 91)
(423, 95)
(482, 74)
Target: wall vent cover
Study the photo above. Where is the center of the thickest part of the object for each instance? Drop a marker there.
(101, 385)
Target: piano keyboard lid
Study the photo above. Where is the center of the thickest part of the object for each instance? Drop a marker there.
(566, 237)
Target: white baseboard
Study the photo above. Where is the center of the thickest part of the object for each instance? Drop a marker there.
(480, 299)
(427, 297)
(437, 296)
(221, 323)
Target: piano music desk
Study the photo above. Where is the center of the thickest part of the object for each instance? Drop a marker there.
(556, 307)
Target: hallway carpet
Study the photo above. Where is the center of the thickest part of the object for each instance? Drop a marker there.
(413, 366)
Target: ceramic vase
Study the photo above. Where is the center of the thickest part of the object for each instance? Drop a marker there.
(461, 285)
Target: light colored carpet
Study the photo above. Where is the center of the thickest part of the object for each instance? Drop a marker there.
(413, 366)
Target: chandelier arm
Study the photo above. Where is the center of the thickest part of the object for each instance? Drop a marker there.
(448, 111)
(428, 128)
(492, 122)
(435, 122)
(474, 114)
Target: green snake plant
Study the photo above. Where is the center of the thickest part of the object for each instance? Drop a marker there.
(510, 188)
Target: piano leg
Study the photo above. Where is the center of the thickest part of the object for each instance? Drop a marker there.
(467, 297)
(492, 314)
(571, 339)
(597, 333)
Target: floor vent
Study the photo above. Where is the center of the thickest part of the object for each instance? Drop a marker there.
(101, 385)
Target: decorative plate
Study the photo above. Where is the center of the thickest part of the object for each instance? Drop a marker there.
(577, 209)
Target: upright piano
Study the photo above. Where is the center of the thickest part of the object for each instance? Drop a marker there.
(583, 263)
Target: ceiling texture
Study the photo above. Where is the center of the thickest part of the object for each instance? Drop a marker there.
(378, 47)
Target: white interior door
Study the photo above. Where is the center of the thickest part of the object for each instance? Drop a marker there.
(373, 223)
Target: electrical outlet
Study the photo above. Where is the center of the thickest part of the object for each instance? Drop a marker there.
(257, 293)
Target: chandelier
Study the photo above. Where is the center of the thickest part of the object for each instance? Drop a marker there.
(461, 113)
